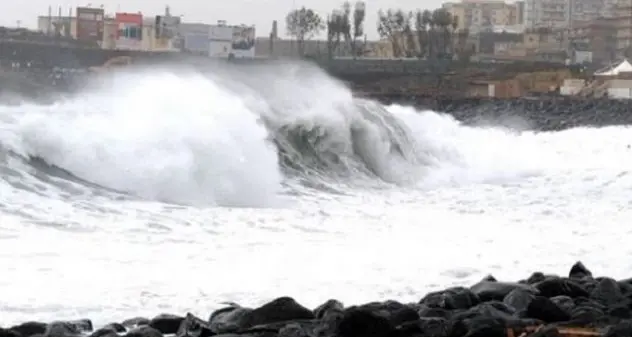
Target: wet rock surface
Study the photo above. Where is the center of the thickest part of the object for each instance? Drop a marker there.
(541, 305)
(541, 114)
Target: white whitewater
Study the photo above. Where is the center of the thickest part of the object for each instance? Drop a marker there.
(205, 214)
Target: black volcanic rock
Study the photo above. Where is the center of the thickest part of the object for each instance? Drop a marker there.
(144, 331)
(362, 322)
(29, 329)
(558, 286)
(166, 323)
(486, 309)
(579, 271)
(544, 309)
(488, 291)
(135, 322)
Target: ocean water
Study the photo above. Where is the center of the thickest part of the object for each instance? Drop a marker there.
(175, 191)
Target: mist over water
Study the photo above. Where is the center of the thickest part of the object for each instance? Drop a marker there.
(173, 190)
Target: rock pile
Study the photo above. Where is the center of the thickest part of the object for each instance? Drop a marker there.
(541, 305)
(542, 114)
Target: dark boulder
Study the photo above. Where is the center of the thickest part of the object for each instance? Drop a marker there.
(144, 331)
(9, 333)
(426, 327)
(396, 312)
(166, 323)
(104, 332)
(451, 299)
(330, 307)
(496, 291)
(622, 329)
(564, 302)
(192, 326)
(29, 329)
(519, 299)
(359, 322)
(608, 292)
(552, 287)
(279, 310)
(230, 319)
(64, 329)
(479, 327)
(135, 322)
(542, 308)
(428, 312)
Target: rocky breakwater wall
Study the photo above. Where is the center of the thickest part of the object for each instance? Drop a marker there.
(541, 305)
(543, 113)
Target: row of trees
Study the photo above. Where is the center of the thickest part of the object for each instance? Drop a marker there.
(422, 34)
(344, 27)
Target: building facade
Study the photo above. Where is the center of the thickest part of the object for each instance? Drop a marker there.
(481, 15)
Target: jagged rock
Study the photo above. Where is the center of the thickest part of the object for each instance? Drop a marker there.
(329, 307)
(579, 271)
(536, 277)
(166, 323)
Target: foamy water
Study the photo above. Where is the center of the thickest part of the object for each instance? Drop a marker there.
(175, 154)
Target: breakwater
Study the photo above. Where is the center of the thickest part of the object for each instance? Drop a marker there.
(539, 305)
(539, 113)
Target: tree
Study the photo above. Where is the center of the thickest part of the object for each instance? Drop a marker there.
(443, 21)
(336, 27)
(339, 26)
(390, 26)
(303, 24)
(359, 14)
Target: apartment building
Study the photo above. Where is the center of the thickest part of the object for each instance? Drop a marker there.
(622, 20)
(481, 15)
(547, 13)
(565, 13)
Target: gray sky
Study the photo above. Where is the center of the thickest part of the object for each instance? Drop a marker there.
(257, 12)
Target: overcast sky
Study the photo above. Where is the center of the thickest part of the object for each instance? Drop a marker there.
(257, 12)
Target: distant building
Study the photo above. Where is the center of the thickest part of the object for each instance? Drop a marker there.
(565, 13)
(166, 32)
(547, 13)
(623, 24)
(480, 15)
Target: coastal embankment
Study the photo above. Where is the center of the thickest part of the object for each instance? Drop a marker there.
(546, 113)
(578, 304)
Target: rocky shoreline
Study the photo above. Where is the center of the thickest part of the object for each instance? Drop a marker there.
(549, 113)
(541, 305)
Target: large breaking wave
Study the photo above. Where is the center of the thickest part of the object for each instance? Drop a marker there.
(231, 138)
